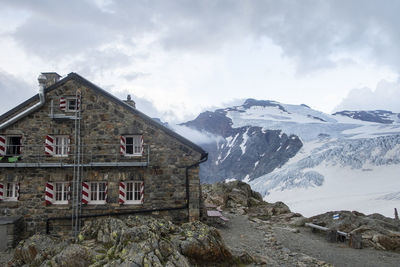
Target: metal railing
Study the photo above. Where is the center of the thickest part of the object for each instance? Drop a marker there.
(90, 155)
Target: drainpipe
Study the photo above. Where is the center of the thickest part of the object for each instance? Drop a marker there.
(204, 158)
(42, 81)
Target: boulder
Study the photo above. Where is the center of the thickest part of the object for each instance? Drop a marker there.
(203, 244)
(36, 249)
(376, 230)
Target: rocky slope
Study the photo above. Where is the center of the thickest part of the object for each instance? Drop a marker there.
(133, 241)
(379, 116)
(242, 153)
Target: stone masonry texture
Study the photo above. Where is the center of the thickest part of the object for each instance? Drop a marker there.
(103, 122)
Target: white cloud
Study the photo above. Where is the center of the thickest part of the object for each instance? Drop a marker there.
(194, 135)
(186, 56)
(385, 96)
(13, 91)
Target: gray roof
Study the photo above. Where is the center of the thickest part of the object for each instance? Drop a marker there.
(78, 78)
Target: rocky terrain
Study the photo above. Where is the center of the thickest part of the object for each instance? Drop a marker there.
(133, 241)
(278, 237)
(257, 233)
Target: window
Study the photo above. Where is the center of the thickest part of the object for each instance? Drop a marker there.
(133, 192)
(14, 145)
(61, 193)
(72, 104)
(132, 145)
(61, 145)
(11, 192)
(98, 193)
(57, 145)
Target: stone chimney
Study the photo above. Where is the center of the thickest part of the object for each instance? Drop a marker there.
(51, 78)
(130, 102)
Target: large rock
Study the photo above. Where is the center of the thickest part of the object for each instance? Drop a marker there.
(203, 244)
(73, 255)
(376, 230)
(238, 198)
(37, 249)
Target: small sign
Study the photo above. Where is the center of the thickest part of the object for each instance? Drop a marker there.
(336, 216)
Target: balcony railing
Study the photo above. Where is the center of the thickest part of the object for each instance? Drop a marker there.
(92, 155)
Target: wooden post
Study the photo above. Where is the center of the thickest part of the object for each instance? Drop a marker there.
(355, 240)
(332, 236)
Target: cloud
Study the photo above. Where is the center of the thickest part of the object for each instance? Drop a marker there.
(316, 34)
(385, 97)
(142, 104)
(13, 91)
(194, 135)
(135, 75)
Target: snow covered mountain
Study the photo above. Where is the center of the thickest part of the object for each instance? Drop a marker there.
(313, 161)
(381, 116)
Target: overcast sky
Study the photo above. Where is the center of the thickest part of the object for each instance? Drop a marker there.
(178, 58)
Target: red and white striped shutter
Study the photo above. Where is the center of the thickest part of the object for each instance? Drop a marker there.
(63, 103)
(50, 145)
(69, 146)
(142, 192)
(17, 190)
(2, 145)
(123, 145)
(20, 145)
(69, 192)
(141, 145)
(50, 196)
(1, 192)
(106, 196)
(85, 192)
(122, 192)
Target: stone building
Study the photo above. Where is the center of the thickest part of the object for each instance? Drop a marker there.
(74, 151)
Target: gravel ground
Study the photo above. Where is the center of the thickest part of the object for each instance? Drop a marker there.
(339, 254)
(5, 257)
(279, 245)
(242, 235)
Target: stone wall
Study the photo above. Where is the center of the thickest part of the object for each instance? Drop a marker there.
(103, 122)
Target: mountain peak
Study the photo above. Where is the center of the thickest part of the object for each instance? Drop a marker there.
(250, 102)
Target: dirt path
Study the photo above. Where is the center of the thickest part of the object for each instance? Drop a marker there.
(281, 246)
(258, 240)
(339, 254)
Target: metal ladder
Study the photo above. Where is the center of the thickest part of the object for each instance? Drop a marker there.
(77, 172)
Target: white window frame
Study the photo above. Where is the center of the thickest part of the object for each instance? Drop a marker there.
(67, 107)
(14, 193)
(64, 146)
(8, 144)
(97, 193)
(135, 146)
(64, 192)
(131, 190)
